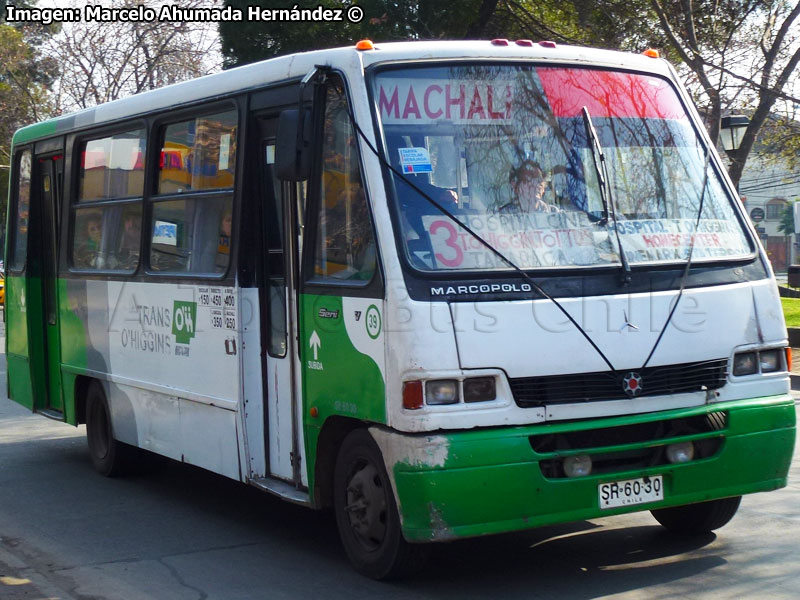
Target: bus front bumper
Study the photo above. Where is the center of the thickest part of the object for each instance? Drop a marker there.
(469, 483)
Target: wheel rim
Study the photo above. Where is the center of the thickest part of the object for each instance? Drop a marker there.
(366, 506)
(98, 431)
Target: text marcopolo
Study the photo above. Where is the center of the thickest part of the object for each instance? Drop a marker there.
(174, 13)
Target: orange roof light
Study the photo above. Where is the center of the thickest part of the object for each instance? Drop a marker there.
(365, 45)
(652, 53)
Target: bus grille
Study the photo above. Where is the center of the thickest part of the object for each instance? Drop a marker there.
(606, 385)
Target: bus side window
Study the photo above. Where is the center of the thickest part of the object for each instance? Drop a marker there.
(107, 217)
(345, 245)
(191, 228)
(20, 216)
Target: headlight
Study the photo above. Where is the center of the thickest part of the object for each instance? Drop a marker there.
(745, 363)
(479, 389)
(763, 361)
(770, 360)
(441, 391)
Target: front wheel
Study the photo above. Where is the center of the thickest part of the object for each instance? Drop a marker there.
(366, 512)
(696, 519)
(107, 454)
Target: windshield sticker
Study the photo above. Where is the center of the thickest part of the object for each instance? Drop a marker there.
(608, 94)
(564, 239)
(530, 240)
(417, 101)
(415, 160)
(670, 239)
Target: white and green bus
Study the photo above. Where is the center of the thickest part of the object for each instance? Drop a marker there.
(446, 289)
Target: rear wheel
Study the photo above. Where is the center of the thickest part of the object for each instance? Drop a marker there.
(107, 454)
(695, 519)
(366, 512)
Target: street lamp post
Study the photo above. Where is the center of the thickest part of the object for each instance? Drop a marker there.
(731, 131)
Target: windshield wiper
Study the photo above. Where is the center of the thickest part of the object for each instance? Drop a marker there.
(599, 159)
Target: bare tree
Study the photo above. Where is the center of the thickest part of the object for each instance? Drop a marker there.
(103, 61)
(747, 57)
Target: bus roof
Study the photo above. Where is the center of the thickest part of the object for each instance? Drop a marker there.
(294, 66)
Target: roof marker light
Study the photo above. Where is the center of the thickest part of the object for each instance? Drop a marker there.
(547, 44)
(499, 42)
(652, 53)
(526, 43)
(365, 45)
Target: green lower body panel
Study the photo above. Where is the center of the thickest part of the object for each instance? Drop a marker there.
(19, 380)
(462, 484)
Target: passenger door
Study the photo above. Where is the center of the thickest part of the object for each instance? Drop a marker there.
(49, 179)
(33, 336)
(278, 302)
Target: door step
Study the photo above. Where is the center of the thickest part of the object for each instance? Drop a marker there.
(283, 489)
(50, 413)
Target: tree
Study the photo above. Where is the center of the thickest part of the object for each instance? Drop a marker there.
(734, 54)
(24, 78)
(384, 20)
(787, 219)
(103, 61)
(750, 53)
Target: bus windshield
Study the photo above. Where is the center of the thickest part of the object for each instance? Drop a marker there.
(505, 149)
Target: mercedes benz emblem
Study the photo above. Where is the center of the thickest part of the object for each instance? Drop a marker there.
(632, 384)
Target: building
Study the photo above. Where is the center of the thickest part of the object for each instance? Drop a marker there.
(767, 187)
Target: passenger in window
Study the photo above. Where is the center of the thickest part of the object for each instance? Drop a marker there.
(128, 255)
(224, 245)
(87, 254)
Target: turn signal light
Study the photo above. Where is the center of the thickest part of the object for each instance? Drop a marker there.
(412, 395)
(788, 358)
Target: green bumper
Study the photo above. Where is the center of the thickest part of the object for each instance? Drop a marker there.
(471, 483)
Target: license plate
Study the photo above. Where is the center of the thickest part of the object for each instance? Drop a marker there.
(631, 491)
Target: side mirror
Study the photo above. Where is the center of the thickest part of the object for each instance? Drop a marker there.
(292, 147)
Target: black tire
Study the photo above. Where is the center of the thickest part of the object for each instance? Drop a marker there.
(107, 454)
(366, 512)
(696, 519)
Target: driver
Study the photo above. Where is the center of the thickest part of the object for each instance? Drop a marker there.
(529, 183)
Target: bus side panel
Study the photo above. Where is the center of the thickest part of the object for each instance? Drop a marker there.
(342, 363)
(167, 356)
(20, 383)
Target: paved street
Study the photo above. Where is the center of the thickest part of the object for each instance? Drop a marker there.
(180, 533)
